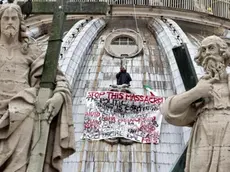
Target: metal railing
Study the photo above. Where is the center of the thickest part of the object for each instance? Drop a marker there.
(219, 8)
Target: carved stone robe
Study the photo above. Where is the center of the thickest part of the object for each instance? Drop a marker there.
(209, 144)
(19, 82)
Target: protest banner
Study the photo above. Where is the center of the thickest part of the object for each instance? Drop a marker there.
(118, 114)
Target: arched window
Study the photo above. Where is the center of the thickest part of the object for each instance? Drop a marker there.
(123, 40)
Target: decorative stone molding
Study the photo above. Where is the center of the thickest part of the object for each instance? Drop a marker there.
(124, 49)
(78, 46)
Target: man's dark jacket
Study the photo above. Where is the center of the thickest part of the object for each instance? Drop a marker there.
(123, 78)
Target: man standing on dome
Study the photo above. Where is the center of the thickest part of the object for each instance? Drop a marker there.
(123, 77)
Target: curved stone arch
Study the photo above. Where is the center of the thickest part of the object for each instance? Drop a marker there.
(163, 34)
(167, 41)
(191, 48)
(74, 57)
(72, 33)
(68, 39)
(199, 70)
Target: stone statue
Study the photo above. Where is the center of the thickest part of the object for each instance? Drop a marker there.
(20, 72)
(209, 144)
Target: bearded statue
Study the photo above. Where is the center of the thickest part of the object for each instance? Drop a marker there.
(213, 56)
(209, 143)
(21, 66)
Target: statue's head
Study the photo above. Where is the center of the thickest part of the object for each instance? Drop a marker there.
(213, 55)
(12, 23)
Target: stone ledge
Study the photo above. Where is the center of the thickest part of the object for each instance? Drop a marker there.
(70, 7)
(173, 13)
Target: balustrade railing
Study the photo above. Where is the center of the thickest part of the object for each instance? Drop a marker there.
(219, 8)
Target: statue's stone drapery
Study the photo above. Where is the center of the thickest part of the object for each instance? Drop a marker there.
(21, 67)
(209, 144)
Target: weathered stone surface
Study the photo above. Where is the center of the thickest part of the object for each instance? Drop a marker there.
(21, 65)
(208, 148)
